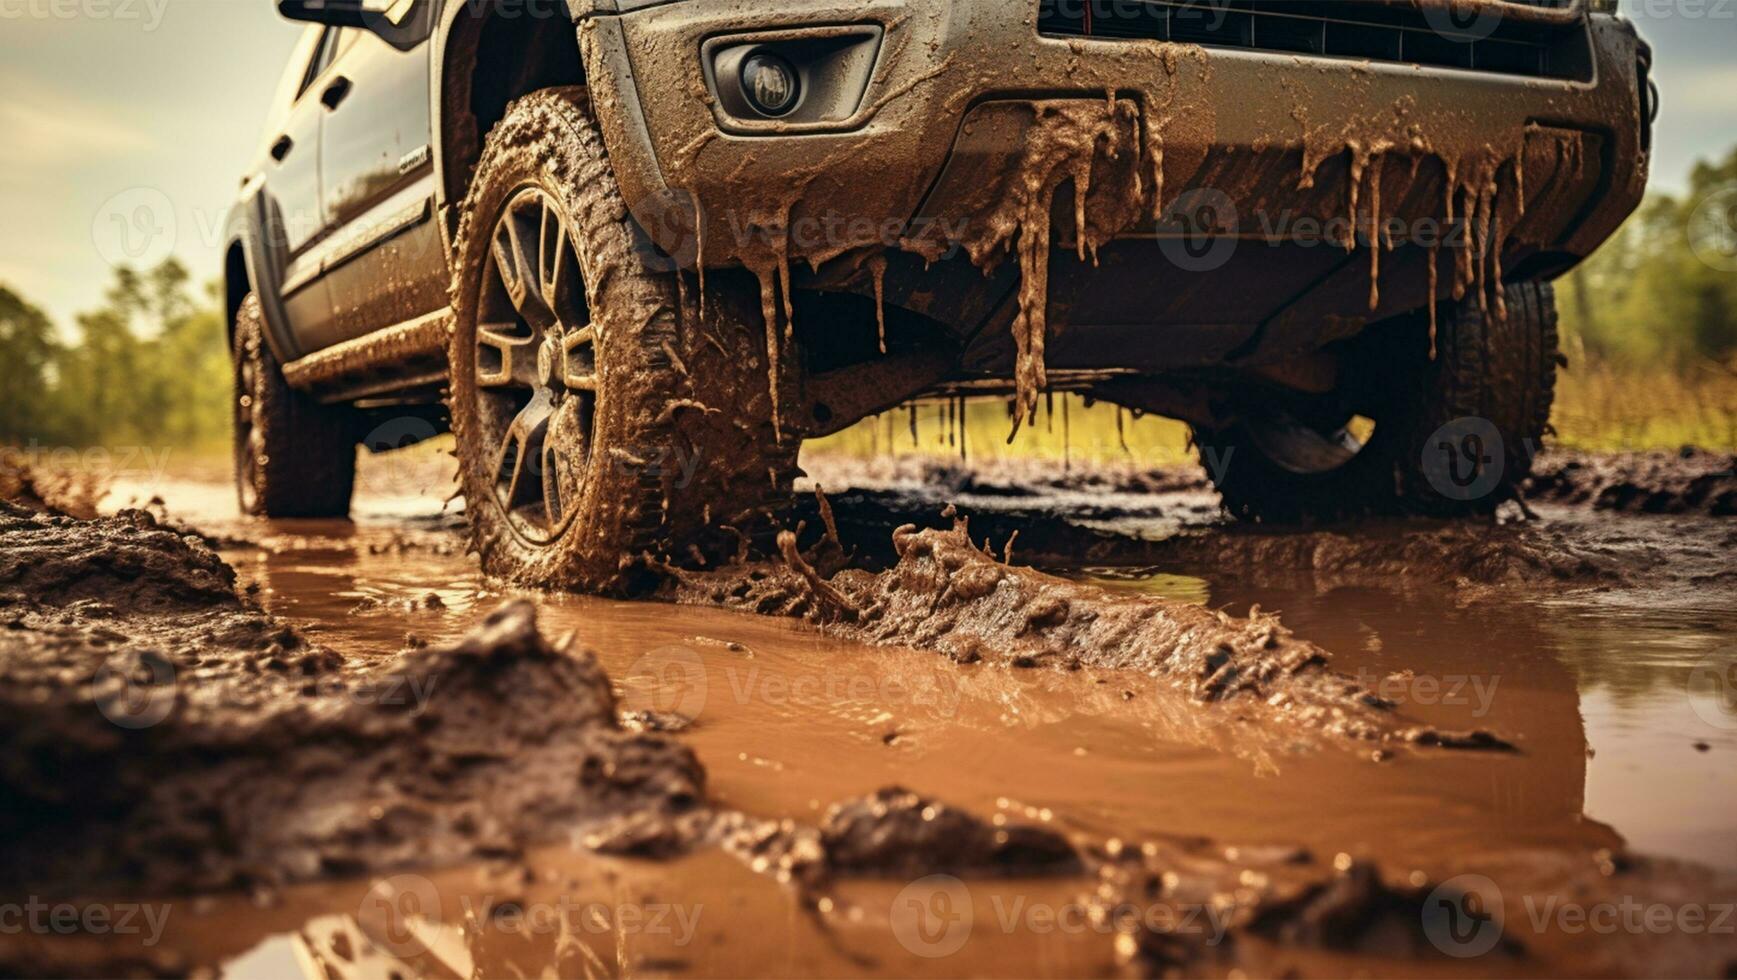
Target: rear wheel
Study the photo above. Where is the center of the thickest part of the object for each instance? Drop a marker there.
(1451, 435)
(602, 426)
(294, 457)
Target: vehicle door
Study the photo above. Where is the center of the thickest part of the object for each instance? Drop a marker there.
(293, 216)
(385, 262)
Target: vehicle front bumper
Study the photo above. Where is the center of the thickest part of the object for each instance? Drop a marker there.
(941, 58)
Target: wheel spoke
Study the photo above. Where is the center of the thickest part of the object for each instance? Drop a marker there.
(505, 359)
(522, 449)
(562, 445)
(519, 265)
(552, 248)
(579, 372)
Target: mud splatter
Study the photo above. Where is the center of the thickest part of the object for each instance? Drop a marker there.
(948, 595)
(1690, 481)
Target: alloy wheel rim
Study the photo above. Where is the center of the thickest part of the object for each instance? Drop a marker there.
(536, 368)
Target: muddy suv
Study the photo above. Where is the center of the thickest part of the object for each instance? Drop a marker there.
(634, 252)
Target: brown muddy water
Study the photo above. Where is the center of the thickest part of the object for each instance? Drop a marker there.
(1596, 837)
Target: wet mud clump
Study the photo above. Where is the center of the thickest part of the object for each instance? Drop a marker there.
(50, 491)
(1423, 554)
(165, 734)
(947, 594)
(890, 833)
(1691, 481)
(1193, 908)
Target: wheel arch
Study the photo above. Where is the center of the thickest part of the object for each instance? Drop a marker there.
(488, 53)
(236, 285)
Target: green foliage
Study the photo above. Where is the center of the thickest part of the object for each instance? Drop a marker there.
(150, 368)
(27, 355)
(1663, 292)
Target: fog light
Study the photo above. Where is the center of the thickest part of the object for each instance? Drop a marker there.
(771, 83)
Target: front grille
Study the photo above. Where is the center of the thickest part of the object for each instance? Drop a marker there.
(1358, 29)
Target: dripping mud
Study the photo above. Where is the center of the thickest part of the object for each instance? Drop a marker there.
(1126, 711)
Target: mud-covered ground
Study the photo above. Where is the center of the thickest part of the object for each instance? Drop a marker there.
(1011, 719)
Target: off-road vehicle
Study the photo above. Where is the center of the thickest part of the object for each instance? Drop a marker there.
(634, 252)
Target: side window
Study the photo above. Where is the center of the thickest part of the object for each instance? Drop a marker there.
(324, 54)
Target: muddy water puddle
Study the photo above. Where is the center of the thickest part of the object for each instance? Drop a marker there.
(1593, 682)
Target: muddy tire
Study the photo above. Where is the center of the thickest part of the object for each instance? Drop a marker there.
(604, 427)
(1453, 436)
(294, 457)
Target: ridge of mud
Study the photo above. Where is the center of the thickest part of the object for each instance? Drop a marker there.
(1274, 908)
(165, 733)
(70, 493)
(1689, 481)
(945, 594)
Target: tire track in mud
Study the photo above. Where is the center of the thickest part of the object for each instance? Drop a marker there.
(270, 765)
(947, 594)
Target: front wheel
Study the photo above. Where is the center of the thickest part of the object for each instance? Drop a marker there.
(603, 426)
(1453, 435)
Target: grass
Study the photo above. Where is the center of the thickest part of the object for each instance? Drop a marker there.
(1599, 408)
(1603, 407)
(1067, 430)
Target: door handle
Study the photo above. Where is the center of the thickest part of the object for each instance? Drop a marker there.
(335, 93)
(282, 148)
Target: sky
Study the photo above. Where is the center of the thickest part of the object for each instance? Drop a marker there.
(113, 109)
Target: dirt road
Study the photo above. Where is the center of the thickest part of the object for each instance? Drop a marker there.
(1452, 749)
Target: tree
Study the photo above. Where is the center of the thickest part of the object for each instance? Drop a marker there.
(28, 353)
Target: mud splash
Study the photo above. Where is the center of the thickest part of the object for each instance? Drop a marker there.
(951, 596)
(1690, 481)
